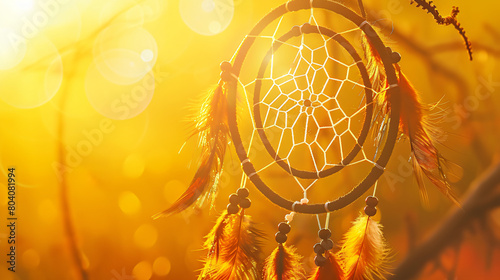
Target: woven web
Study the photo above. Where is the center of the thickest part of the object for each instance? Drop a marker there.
(312, 103)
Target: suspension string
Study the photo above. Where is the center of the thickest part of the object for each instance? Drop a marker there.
(375, 188)
(319, 222)
(327, 224)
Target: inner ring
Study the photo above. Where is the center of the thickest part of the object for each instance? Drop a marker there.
(295, 32)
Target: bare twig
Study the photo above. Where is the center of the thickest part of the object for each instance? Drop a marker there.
(449, 20)
(477, 203)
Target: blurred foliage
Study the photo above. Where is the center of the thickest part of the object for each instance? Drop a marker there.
(123, 164)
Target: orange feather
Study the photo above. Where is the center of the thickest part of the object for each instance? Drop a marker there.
(364, 251)
(283, 264)
(238, 249)
(374, 65)
(213, 131)
(425, 156)
(426, 159)
(331, 270)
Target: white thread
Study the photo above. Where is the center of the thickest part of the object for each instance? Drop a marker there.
(393, 85)
(245, 161)
(362, 24)
(326, 207)
(279, 96)
(293, 205)
(379, 166)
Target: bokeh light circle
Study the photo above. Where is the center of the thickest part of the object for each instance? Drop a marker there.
(145, 236)
(129, 203)
(115, 101)
(162, 266)
(36, 79)
(142, 271)
(207, 17)
(124, 54)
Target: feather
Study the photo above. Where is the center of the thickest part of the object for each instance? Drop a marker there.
(331, 270)
(283, 264)
(364, 252)
(238, 249)
(374, 65)
(212, 242)
(213, 132)
(376, 72)
(425, 157)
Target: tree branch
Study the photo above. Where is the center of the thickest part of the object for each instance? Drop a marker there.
(477, 203)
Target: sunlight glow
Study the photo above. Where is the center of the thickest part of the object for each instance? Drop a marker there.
(23, 6)
(207, 17)
(45, 76)
(129, 203)
(208, 5)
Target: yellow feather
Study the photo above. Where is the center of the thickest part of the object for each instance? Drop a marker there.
(364, 252)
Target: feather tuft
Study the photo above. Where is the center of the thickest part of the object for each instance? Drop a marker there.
(374, 65)
(283, 264)
(234, 249)
(426, 159)
(376, 72)
(364, 252)
(413, 123)
(213, 132)
(331, 270)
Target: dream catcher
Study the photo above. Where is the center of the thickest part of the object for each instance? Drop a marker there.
(312, 99)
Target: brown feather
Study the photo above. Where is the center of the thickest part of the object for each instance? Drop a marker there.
(239, 250)
(213, 132)
(283, 264)
(426, 158)
(364, 251)
(331, 270)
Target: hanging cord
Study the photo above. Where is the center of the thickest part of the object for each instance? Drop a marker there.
(362, 8)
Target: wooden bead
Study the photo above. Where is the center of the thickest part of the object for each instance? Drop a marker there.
(318, 249)
(370, 211)
(245, 203)
(371, 201)
(243, 192)
(234, 199)
(232, 208)
(396, 57)
(324, 233)
(319, 260)
(284, 227)
(226, 76)
(327, 244)
(280, 237)
(226, 66)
